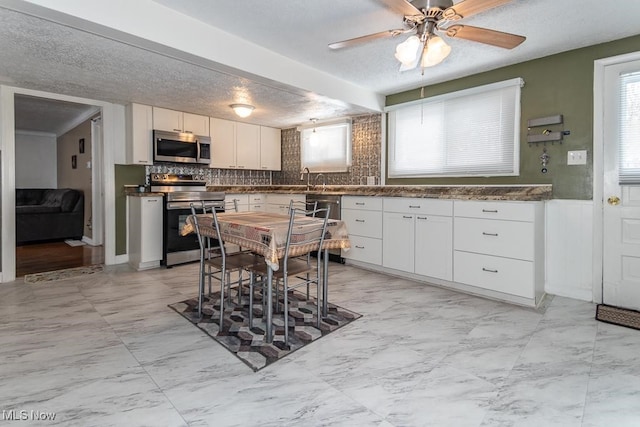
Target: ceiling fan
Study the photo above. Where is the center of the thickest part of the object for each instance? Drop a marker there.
(428, 18)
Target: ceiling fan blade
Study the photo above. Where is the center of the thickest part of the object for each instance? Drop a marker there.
(467, 8)
(362, 39)
(486, 36)
(402, 6)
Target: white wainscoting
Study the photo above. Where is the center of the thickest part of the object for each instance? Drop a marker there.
(569, 248)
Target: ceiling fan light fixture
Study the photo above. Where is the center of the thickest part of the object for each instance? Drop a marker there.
(407, 51)
(435, 51)
(242, 110)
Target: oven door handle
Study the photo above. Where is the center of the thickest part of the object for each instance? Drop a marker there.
(172, 206)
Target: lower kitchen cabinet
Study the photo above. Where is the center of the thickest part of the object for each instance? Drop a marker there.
(418, 236)
(434, 246)
(399, 239)
(499, 247)
(363, 217)
(145, 231)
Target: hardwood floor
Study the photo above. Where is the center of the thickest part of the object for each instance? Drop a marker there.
(40, 257)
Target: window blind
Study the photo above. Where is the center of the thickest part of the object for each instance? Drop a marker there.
(629, 129)
(468, 133)
(326, 148)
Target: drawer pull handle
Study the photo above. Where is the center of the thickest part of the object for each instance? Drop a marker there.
(490, 234)
(422, 217)
(490, 210)
(360, 203)
(359, 220)
(414, 207)
(489, 270)
(407, 217)
(359, 247)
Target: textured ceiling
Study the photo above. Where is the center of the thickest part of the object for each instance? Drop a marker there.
(71, 57)
(49, 115)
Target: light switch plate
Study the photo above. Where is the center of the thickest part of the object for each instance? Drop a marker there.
(577, 157)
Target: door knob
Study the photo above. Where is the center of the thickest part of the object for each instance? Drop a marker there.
(613, 200)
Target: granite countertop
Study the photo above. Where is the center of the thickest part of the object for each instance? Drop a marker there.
(463, 192)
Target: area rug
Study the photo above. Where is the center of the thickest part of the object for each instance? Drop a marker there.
(618, 316)
(248, 343)
(67, 273)
(75, 242)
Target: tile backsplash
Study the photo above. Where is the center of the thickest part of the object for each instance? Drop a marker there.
(366, 138)
(366, 143)
(214, 176)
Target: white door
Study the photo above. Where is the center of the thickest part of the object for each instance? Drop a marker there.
(621, 216)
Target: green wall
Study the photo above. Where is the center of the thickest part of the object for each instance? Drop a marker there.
(124, 174)
(557, 84)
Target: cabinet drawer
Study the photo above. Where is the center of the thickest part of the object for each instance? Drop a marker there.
(363, 223)
(284, 199)
(510, 239)
(363, 203)
(418, 206)
(499, 274)
(513, 211)
(256, 198)
(364, 249)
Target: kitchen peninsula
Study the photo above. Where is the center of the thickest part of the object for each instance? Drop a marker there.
(484, 240)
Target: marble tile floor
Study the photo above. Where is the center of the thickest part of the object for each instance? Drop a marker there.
(106, 350)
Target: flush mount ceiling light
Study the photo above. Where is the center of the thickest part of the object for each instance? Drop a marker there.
(426, 19)
(242, 110)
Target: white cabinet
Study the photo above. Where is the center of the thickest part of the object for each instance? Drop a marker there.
(418, 236)
(279, 203)
(434, 246)
(139, 134)
(177, 121)
(270, 148)
(145, 231)
(246, 202)
(234, 145)
(247, 146)
(223, 144)
(498, 246)
(237, 145)
(363, 217)
(398, 236)
(257, 202)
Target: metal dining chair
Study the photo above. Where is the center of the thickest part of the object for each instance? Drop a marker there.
(300, 235)
(216, 264)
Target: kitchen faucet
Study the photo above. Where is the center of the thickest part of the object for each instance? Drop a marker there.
(324, 181)
(302, 176)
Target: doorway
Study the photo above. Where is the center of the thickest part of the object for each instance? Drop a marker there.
(57, 145)
(617, 189)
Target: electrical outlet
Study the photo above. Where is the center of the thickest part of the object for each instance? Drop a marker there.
(577, 157)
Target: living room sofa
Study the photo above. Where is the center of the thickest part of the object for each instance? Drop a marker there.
(49, 214)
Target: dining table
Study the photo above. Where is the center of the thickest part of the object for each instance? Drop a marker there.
(265, 234)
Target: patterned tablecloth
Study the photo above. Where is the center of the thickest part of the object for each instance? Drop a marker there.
(265, 233)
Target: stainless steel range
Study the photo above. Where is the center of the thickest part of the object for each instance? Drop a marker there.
(179, 192)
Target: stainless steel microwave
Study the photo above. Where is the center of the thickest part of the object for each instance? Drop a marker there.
(178, 147)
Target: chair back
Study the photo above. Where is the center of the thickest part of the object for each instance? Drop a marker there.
(302, 207)
(231, 205)
(302, 234)
(212, 211)
(197, 227)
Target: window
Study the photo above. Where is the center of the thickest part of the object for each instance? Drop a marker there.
(629, 128)
(326, 147)
(475, 132)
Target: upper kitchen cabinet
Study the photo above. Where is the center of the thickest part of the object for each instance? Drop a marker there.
(177, 121)
(247, 146)
(237, 145)
(139, 134)
(270, 148)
